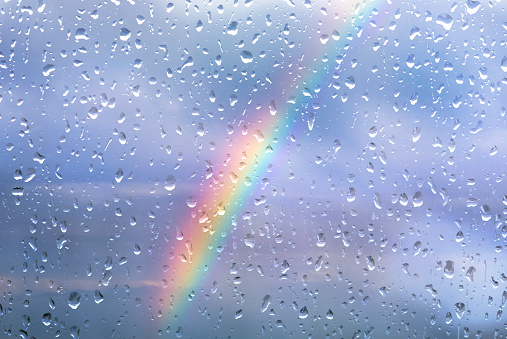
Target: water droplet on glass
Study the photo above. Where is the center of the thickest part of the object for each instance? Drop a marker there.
(449, 269)
(266, 301)
(272, 107)
(370, 262)
(472, 8)
(373, 132)
(377, 201)
(119, 175)
(485, 212)
(98, 297)
(17, 191)
(303, 313)
(470, 273)
(448, 318)
(124, 34)
(336, 145)
(246, 57)
(74, 300)
(46, 319)
(170, 183)
(351, 194)
(460, 309)
(417, 200)
(93, 113)
(232, 29)
(191, 201)
(504, 64)
(81, 34)
(416, 134)
(445, 20)
(350, 82)
(321, 240)
(137, 249)
(48, 69)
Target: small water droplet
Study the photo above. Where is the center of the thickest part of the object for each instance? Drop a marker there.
(377, 201)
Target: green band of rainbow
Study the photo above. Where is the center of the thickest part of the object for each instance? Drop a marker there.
(208, 229)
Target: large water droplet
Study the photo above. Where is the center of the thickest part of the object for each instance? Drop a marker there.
(81, 34)
(303, 313)
(321, 240)
(170, 183)
(191, 201)
(351, 194)
(98, 297)
(124, 34)
(350, 82)
(504, 64)
(472, 8)
(370, 262)
(445, 20)
(449, 269)
(417, 200)
(74, 300)
(246, 57)
(460, 309)
(119, 175)
(470, 273)
(48, 69)
(485, 212)
(232, 29)
(46, 319)
(266, 301)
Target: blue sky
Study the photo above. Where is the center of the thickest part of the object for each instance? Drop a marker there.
(423, 116)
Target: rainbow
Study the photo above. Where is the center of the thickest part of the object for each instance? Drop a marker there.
(229, 187)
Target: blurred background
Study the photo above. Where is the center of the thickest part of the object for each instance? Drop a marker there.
(253, 168)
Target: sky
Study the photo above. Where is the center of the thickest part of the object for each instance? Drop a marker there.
(257, 168)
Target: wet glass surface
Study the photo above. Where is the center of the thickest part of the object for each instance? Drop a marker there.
(253, 168)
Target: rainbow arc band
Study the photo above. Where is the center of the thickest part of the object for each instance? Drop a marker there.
(225, 196)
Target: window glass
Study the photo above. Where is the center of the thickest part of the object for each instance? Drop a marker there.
(253, 168)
